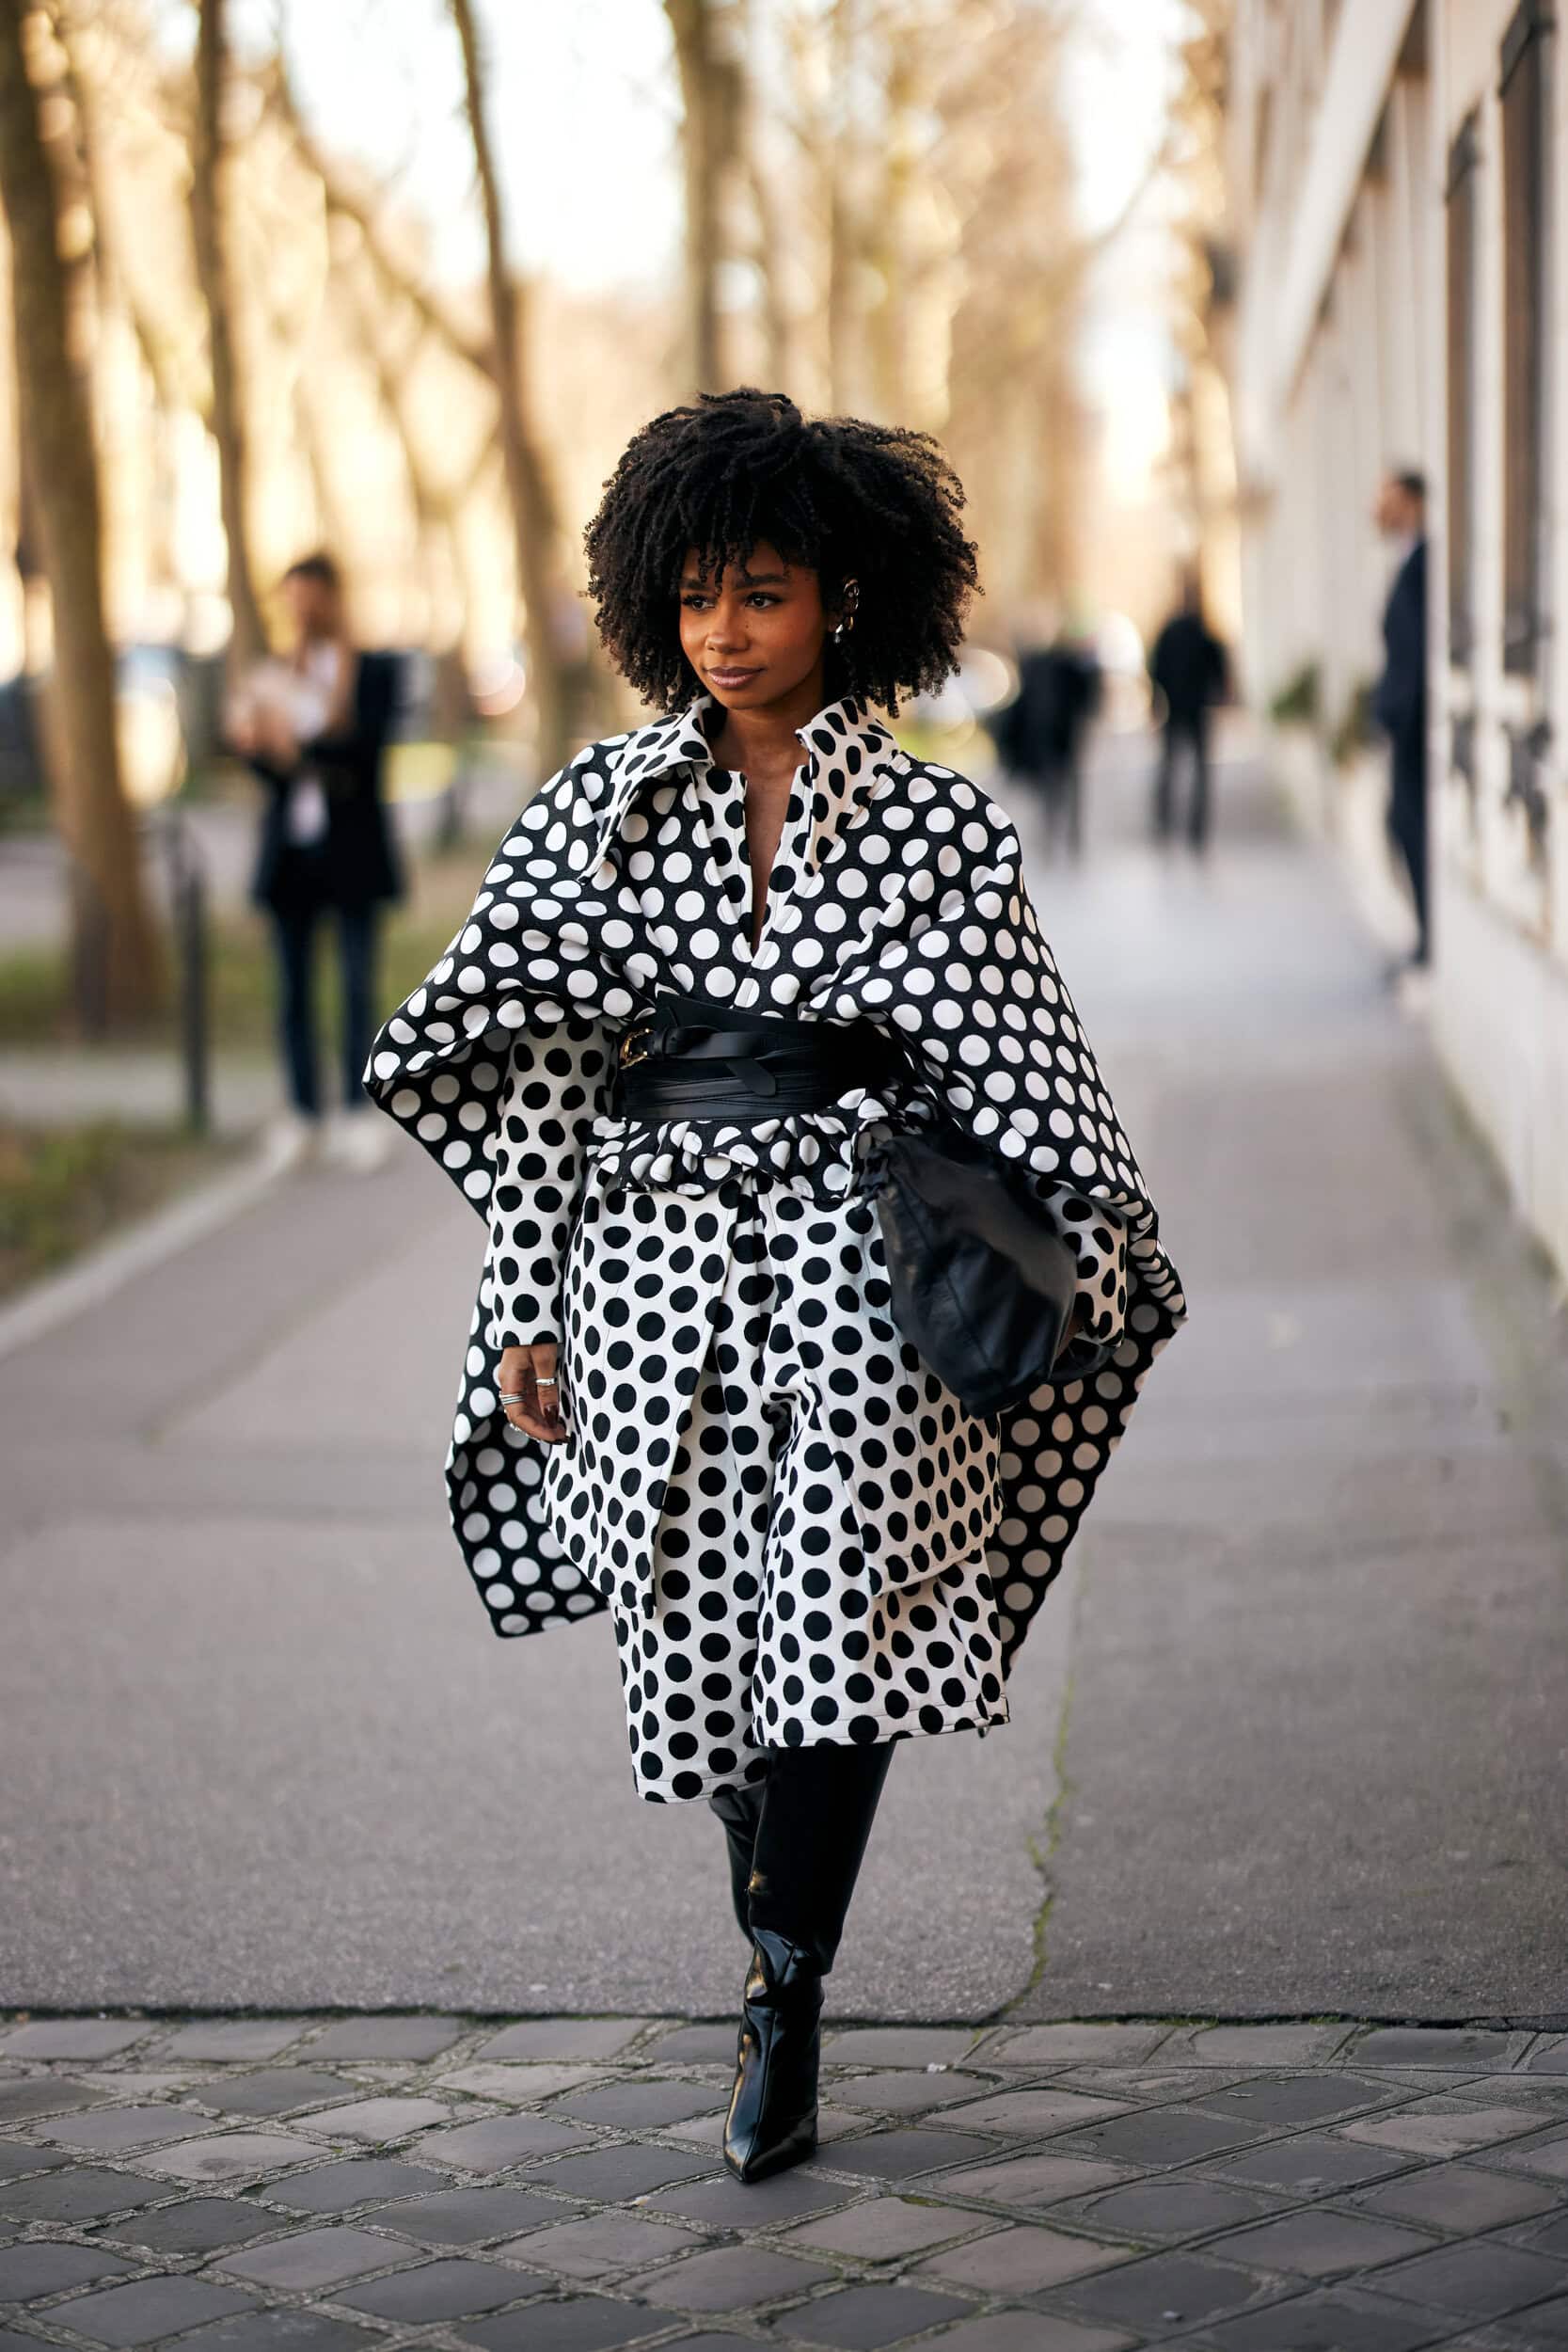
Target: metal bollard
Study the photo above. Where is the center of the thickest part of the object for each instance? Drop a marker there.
(188, 896)
(89, 951)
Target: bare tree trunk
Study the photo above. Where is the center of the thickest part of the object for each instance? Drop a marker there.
(345, 202)
(755, 107)
(539, 575)
(435, 509)
(209, 226)
(778, 338)
(117, 284)
(28, 550)
(887, 330)
(840, 211)
(710, 100)
(113, 927)
(334, 522)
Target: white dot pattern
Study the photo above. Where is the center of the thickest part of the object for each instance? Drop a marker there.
(650, 1248)
(787, 1512)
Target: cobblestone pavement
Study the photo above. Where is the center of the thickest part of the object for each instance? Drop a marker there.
(236, 2184)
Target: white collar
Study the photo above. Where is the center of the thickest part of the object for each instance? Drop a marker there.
(842, 736)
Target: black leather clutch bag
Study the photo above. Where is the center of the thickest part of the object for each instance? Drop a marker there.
(983, 1288)
(982, 1284)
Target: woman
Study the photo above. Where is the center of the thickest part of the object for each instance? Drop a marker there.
(714, 964)
(314, 728)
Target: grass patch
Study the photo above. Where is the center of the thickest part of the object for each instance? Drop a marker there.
(35, 983)
(63, 1188)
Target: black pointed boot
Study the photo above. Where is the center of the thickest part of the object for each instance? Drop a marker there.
(817, 1817)
(772, 2119)
(740, 1810)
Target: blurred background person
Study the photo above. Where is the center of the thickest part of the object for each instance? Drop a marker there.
(1189, 670)
(1040, 734)
(314, 728)
(1400, 703)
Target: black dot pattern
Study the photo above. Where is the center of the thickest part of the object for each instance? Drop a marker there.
(788, 1515)
(736, 1388)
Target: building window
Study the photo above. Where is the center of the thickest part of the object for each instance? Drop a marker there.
(1523, 89)
(1464, 161)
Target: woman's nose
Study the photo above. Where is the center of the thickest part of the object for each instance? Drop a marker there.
(727, 632)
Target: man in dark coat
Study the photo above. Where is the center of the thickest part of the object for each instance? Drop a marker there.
(1040, 734)
(1400, 703)
(1189, 670)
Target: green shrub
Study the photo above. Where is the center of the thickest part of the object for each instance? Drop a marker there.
(1296, 703)
(1355, 729)
(63, 1188)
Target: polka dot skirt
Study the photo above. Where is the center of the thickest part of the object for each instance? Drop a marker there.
(793, 1548)
(657, 1251)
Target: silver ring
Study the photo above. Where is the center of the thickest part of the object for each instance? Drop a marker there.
(546, 1380)
(513, 1400)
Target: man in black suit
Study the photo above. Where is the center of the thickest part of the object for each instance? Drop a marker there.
(1399, 703)
(1190, 673)
(1040, 734)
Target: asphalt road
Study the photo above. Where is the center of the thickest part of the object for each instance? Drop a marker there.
(1307, 1683)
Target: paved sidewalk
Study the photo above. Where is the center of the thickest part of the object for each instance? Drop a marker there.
(552, 2185)
(1287, 1742)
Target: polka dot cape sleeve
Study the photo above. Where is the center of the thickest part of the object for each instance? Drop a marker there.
(558, 1083)
(1098, 1238)
(495, 1064)
(974, 992)
(974, 995)
(480, 1020)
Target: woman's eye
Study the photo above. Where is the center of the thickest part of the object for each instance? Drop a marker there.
(760, 597)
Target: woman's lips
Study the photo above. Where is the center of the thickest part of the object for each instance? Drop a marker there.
(721, 676)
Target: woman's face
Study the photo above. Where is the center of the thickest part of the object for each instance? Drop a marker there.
(311, 606)
(756, 636)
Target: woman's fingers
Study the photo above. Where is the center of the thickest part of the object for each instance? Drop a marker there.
(530, 1391)
(546, 1392)
(511, 1380)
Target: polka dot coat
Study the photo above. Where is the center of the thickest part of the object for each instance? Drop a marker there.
(798, 1531)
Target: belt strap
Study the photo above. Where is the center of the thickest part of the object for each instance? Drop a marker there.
(673, 1067)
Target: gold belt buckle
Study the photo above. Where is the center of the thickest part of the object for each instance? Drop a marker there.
(633, 1047)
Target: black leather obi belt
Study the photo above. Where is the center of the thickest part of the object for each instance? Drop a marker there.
(697, 1060)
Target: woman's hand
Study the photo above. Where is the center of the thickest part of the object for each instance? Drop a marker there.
(274, 739)
(530, 1395)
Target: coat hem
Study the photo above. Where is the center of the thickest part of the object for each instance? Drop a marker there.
(897, 1727)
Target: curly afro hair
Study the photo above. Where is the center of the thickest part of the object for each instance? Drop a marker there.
(845, 498)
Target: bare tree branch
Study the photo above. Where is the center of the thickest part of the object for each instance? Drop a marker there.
(209, 227)
(345, 202)
(533, 517)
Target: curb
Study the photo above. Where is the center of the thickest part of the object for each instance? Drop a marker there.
(59, 1299)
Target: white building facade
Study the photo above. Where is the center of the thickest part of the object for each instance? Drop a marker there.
(1398, 178)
